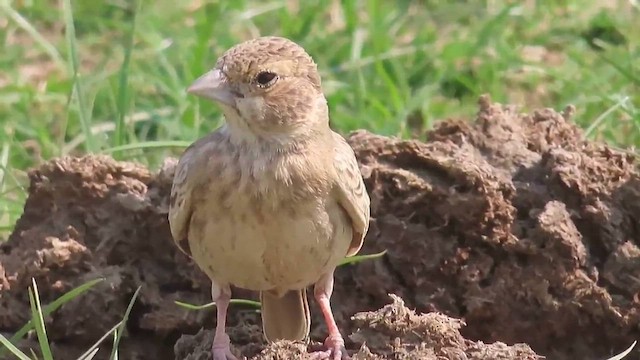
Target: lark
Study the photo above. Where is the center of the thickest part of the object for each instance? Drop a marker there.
(273, 200)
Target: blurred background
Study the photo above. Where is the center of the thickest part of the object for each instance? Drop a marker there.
(110, 76)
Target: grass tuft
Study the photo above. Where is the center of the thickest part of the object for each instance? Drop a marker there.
(37, 322)
(36, 315)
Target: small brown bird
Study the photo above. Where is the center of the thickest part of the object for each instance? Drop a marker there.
(272, 200)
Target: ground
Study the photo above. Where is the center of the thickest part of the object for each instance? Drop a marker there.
(509, 237)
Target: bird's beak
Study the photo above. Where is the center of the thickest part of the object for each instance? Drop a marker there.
(213, 85)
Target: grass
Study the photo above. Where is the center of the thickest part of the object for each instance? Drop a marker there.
(109, 76)
(37, 323)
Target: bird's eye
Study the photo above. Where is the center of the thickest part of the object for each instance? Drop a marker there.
(266, 78)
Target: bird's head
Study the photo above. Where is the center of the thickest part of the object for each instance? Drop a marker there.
(265, 85)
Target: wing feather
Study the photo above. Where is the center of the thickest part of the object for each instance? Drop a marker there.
(186, 177)
(351, 192)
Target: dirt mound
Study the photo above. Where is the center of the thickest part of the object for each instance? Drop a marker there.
(391, 332)
(513, 223)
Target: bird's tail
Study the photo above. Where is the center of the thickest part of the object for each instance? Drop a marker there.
(286, 317)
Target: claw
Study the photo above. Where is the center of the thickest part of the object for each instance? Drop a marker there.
(335, 350)
(222, 353)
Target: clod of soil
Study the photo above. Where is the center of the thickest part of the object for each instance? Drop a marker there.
(390, 333)
(514, 223)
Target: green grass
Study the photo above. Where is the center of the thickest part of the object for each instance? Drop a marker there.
(110, 76)
(38, 314)
(37, 323)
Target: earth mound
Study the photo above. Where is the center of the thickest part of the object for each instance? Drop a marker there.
(514, 224)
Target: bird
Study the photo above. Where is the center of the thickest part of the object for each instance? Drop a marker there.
(273, 199)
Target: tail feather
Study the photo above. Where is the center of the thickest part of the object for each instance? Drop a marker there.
(286, 317)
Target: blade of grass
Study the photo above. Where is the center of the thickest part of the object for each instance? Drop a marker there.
(370, 60)
(25, 25)
(628, 73)
(13, 176)
(123, 324)
(114, 346)
(70, 34)
(71, 294)
(147, 145)
(123, 82)
(36, 314)
(14, 350)
(88, 354)
(4, 161)
(624, 353)
(349, 260)
(104, 127)
(491, 28)
(360, 258)
(92, 354)
(188, 306)
(597, 122)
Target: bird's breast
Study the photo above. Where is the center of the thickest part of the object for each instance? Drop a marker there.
(266, 221)
(284, 248)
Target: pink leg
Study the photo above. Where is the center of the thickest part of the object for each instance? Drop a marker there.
(221, 349)
(334, 342)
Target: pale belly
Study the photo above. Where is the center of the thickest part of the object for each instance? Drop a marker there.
(278, 250)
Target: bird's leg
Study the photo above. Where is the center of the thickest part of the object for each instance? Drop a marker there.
(221, 349)
(334, 342)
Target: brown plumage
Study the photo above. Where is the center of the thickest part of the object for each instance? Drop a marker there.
(273, 200)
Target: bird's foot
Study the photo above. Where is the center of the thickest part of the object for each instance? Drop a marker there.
(221, 349)
(223, 354)
(335, 350)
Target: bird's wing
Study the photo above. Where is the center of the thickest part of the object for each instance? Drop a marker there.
(188, 175)
(350, 192)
